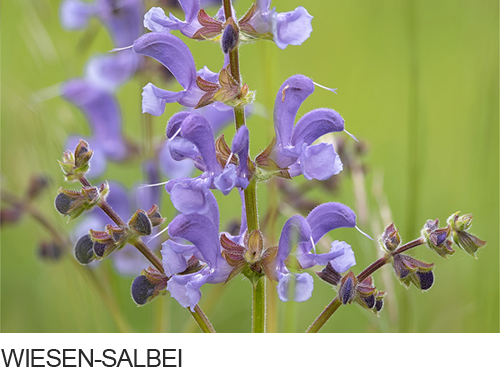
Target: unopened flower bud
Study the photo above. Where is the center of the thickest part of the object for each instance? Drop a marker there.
(140, 223)
(148, 285)
(84, 250)
(73, 203)
(76, 164)
(230, 37)
(142, 290)
(329, 275)
(83, 154)
(103, 243)
(347, 290)
(390, 239)
(379, 300)
(155, 216)
(463, 239)
(437, 238)
(410, 270)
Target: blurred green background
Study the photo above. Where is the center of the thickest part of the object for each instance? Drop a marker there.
(417, 83)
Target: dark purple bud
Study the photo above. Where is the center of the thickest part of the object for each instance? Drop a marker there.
(142, 289)
(84, 250)
(140, 223)
(329, 275)
(390, 239)
(63, 203)
(155, 216)
(99, 249)
(230, 38)
(426, 279)
(379, 304)
(347, 290)
(369, 301)
(50, 250)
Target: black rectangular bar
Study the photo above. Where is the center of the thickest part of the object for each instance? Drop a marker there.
(92, 357)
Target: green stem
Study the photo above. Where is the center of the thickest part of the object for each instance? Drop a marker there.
(202, 320)
(251, 206)
(324, 316)
(259, 307)
(239, 116)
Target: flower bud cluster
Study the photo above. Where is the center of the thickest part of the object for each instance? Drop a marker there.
(75, 164)
(364, 293)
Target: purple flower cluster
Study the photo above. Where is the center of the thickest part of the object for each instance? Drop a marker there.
(197, 251)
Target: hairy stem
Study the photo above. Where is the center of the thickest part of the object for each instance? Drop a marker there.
(202, 320)
(250, 194)
(324, 316)
(259, 306)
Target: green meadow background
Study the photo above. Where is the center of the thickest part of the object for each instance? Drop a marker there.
(417, 84)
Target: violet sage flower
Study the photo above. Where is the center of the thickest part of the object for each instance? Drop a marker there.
(294, 148)
(290, 28)
(304, 234)
(192, 137)
(202, 231)
(175, 55)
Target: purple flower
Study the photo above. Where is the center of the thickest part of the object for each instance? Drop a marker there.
(305, 234)
(202, 231)
(122, 18)
(175, 55)
(192, 137)
(156, 20)
(294, 148)
(290, 28)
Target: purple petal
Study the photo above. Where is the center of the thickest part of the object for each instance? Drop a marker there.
(175, 256)
(186, 288)
(191, 196)
(154, 99)
(109, 71)
(196, 129)
(315, 124)
(295, 232)
(156, 20)
(75, 14)
(227, 180)
(292, 93)
(329, 216)
(191, 9)
(292, 27)
(299, 285)
(201, 232)
(170, 51)
(345, 258)
(172, 168)
(319, 161)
